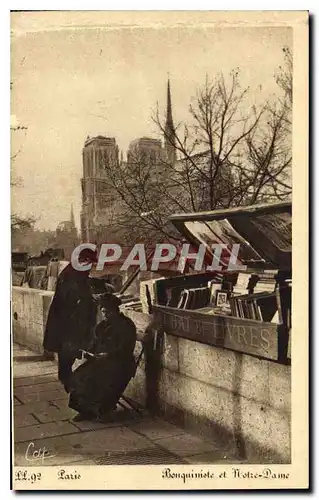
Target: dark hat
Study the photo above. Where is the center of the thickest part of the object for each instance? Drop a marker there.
(110, 301)
(88, 254)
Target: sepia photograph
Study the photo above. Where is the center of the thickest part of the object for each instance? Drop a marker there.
(221, 298)
(154, 160)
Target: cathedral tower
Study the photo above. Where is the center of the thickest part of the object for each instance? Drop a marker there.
(97, 192)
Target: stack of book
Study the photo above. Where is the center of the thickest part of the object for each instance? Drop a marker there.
(194, 298)
(259, 306)
(266, 282)
(241, 286)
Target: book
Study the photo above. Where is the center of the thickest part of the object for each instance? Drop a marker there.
(258, 315)
(260, 306)
(233, 309)
(241, 286)
(266, 282)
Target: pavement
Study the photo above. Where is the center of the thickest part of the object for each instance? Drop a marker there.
(45, 433)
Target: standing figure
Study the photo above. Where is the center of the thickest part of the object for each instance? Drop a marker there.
(72, 317)
(98, 384)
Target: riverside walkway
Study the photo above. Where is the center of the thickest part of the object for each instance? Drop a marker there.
(45, 434)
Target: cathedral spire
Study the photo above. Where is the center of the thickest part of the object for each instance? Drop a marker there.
(169, 115)
(169, 133)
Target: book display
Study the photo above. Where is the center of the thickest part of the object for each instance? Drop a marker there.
(247, 310)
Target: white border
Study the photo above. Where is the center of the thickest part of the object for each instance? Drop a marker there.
(4, 185)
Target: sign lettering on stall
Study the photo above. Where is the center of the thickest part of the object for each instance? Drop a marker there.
(237, 334)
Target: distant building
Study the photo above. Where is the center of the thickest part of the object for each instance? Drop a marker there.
(67, 236)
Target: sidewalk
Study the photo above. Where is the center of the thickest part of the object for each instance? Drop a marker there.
(44, 433)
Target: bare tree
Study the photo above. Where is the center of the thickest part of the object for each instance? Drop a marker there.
(211, 148)
(18, 223)
(228, 154)
(284, 77)
(21, 223)
(270, 147)
(207, 150)
(141, 211)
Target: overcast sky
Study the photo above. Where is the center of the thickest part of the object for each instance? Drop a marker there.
(70, 83)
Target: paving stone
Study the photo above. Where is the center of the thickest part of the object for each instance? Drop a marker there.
(29, 358)
(34, 369)
(22, 381)
(34, 388)
(31, 407)
(34, 360)
(43, 430)
(58, 452)
(33, 397)
(62, 403)
(21, 351)
(24, 420)
(16, 401)
(84, 462)
(54, 414)
(91, 425)
(185, 444)
(115, 439)
(156, 429)
(118, 418)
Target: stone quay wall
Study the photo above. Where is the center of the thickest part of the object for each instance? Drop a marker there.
(239, 400)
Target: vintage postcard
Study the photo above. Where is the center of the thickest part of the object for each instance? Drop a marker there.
(159, 187)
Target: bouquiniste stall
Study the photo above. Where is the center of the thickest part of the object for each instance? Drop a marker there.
(219, 358)
(248, 311)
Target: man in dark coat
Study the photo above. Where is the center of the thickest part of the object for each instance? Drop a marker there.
(71, 318)
(97, 385)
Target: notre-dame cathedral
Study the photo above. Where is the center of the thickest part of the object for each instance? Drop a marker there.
(98, 194)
